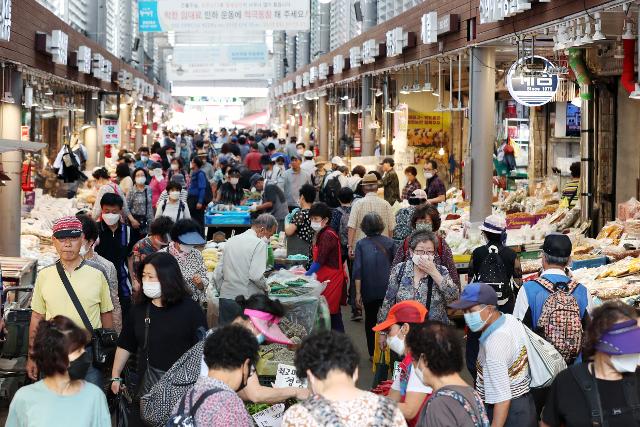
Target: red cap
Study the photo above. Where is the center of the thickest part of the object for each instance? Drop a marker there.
(410, 311)
(67, 226)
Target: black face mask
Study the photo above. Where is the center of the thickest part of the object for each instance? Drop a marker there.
(243, 382)
(79, 367)
(415, 201)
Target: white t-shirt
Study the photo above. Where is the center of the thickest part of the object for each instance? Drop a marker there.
(171, 211)
(413, 385)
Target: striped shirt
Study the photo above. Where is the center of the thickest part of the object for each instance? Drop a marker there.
(503, 366)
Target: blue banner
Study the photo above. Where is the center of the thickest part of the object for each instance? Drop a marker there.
(148, 19)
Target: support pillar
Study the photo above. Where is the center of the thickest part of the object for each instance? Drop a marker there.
(323, 127)
(366, 134)
(91, 143)
(483, 131)
(10, 194)
(138, 127)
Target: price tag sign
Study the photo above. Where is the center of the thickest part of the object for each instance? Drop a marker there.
(270, 417)
(286, 377)
(397, 371)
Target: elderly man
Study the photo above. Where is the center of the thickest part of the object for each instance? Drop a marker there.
(51, 296)
(369, 203)
(436, 191)
(241, 270)
(503, 367)
(294, 179)
(274, 201)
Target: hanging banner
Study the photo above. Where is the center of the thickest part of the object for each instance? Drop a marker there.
(110, 132)
(532, 81)
(427, 132)
(221, 54)
(218, 16)
(211, 71)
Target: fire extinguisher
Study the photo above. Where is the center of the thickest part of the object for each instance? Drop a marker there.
(28, 181)
(107, 151)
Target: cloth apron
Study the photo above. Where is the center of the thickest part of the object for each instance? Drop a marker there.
(335, 277)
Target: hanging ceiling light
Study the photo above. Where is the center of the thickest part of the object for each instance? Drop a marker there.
(618, 53)
(578, 35)
(427, 78)
(441, 151)
(598, 34)
(586, 39)
(628, 33)
(416, 83)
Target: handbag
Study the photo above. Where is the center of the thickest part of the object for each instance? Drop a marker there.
(103, 340)
(382, 370)
(151, 375)
(545, 362)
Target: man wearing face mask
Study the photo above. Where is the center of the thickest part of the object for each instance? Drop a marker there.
(157, 239)
(327, 261)
(407, 389)
(436, 191)
(90, 234)
(274, 201)
(503, 375)
(230, 353)
(115, 244)
(231, 193)
(242, 266)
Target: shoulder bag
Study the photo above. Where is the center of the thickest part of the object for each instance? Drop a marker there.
(151, 375)
(103, 340)
(545, 362)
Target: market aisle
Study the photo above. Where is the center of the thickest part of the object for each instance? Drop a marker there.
(355, 330)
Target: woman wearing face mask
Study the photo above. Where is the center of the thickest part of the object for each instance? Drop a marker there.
(404, 227)
(176, 168)
(140, 204)
(185, 235)
(231, 193)
(172, 206)
(427, 218)
(124, 177)
(407, 389)
(158, 183)
(329, 362)
(437, 361)
(157, 239)
(422, 279)
(297, 224)
(259, 315)
(327, 261)
(601, 390)
(62, 397)
(173, 322)
(105, 185)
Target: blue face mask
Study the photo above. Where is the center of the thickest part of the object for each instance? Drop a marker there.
(260, 339)
(474, 321)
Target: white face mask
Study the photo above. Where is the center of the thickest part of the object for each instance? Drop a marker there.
(419, 374)
(317, 226)
(265, 239)
(428, 175)
(174, 167)
(234, 181)
(174, 195)
(141, 180)
(110, 218)
(151, 289)
(84, 250)
(396, 344)
(625, 363)
(185, 248)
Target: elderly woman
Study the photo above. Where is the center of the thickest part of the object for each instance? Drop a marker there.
(602, 389)
(427, 218)
(404, 227)
(420, 278)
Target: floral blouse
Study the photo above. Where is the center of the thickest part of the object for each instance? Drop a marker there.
(403, 223)
(191, 264)
(401, 288)
(140, 203)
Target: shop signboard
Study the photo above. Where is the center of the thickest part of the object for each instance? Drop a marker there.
(286, 377)
(5, 20)
(97, 65)
(57, 46)
(497, 10)
(370, 51)
(298, 81)
(110, 132)
(448, 24)
(185, 72)
(323, 71)
(338, 64)
(24, 133)
(305, 79)
(429, 28)
(247, 53)
(355, 57)
(397, 39)
(313, 74)
(106, 71)
(532, 82)
(83, 59)
(220, 16)
(427, 132)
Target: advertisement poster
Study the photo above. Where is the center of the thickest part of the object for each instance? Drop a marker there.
(217, 16)
(110, 132)
(247, 53)
(427, 132)
(188, 72)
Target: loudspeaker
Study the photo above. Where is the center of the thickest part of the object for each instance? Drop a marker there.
(358, 9)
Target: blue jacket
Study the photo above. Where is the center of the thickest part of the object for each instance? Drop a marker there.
(537, 295)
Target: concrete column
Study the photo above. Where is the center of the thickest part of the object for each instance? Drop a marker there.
(91, 142)
(587, 152)
(149, 136)
(366, 134)
(138, 122)
(483, 131)
(10, 195)
(369, 14)
(323, 126)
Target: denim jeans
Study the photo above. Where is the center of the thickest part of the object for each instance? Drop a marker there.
(94, 375)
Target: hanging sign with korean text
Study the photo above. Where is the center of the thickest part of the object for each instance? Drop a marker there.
(531, 81)
(110, 132)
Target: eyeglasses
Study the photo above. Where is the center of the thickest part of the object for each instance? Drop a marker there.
(419, 252)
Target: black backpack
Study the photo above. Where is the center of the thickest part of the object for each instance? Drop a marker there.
(329, 192)
(493, 272)
(185, 417)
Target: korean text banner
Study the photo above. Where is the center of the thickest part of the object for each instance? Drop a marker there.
(221, 54)
(201, 72)
(223, 15)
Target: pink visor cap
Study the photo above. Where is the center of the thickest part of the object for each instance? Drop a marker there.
(267, 324)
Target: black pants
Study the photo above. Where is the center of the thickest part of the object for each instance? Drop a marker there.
(196, 214)
(471, 352)
(371, 309)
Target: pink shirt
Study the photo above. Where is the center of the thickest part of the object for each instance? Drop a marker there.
(157, 187)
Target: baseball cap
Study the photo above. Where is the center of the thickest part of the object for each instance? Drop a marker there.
(255, 178)
(474, 294)
(179, 179)
(419, 194)
(67, 226)
(388, 160)
(409, 311)
(557, 245)
(337, 160)
(308, 153)
(191, 238)
(369, 179)
(267, 324)
(621, 338)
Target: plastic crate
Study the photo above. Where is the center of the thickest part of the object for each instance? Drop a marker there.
(590, 263)
(462, 258)
(235, 218)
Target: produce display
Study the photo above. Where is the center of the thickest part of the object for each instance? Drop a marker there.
(211, 257)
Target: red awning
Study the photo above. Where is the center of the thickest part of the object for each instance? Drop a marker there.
(256, 119)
